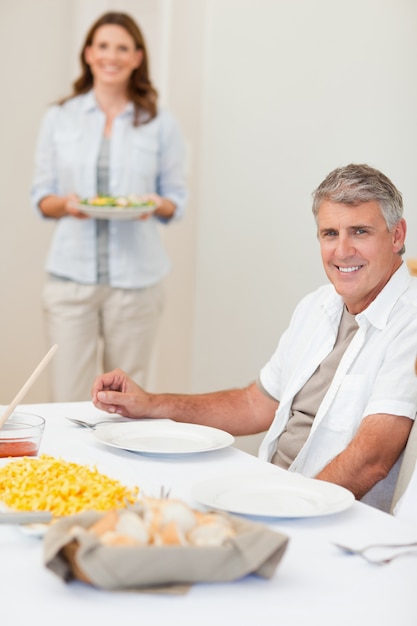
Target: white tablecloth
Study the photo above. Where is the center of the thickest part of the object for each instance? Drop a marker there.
(315, 584)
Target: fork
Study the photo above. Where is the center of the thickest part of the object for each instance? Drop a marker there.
(363, 552)
(92, 425)
(164, 492)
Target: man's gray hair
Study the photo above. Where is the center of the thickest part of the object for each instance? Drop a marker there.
(355, 184)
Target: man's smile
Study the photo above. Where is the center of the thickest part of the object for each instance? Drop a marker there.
(347, 270)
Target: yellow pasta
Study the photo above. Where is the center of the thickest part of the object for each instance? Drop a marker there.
(61, 487)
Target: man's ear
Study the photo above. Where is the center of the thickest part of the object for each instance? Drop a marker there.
(398, 236)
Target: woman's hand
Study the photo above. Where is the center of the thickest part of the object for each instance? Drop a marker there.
(163, 207)
(61, 206)
(69, 202)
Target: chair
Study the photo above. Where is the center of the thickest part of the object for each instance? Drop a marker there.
(408, 464)
(412, 266)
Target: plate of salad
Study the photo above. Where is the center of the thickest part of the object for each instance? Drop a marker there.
(115, 207)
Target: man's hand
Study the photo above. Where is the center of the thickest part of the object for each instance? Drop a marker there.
(115, 392)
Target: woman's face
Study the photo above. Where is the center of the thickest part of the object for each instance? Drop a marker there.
(112, 56)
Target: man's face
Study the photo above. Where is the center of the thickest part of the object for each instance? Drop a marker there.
(359, 254)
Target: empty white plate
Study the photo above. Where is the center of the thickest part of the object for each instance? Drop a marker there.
(162, 437)
(283, 495)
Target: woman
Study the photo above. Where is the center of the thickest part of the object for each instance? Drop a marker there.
(103, 297)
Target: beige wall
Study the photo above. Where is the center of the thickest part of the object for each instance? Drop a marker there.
(45, 62)
(34, 39)
(271, 95)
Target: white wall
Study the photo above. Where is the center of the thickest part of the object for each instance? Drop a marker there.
(292, 90)
(34, 39)
(271, 95)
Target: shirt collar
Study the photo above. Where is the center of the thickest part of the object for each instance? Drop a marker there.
(90, 104)
(379, 310)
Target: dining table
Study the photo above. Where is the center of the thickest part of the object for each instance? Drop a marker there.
(315, 582)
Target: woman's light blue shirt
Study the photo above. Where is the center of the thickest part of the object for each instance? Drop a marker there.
(144, 159)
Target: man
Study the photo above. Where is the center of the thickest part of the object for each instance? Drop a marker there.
(339, 395)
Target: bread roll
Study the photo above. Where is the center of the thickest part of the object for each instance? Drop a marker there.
(105, 523)
(162, 523)
(133, 526)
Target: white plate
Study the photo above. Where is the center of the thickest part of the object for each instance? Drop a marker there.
(162, 437)
(283, 495)
(33, 529)
(112, 212)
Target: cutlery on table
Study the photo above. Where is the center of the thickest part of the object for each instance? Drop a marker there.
(366, 552)
(92, 425)
(164, 492)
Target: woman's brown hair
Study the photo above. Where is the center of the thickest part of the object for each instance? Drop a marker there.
(140, 89)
